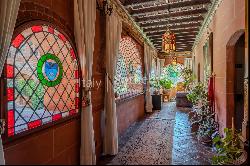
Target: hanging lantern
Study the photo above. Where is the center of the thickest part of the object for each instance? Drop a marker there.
(174, 60)
(168, 42)
(105, 7)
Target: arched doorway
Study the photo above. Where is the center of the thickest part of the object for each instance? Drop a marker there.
(235, 52)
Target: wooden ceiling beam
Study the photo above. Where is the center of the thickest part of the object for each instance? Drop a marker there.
(191, 25)
(177, 39)
(165, 7)
(191, 31)
(171, 15)
(165, 22)
(187, 42)
(177, 35)
(136, 2)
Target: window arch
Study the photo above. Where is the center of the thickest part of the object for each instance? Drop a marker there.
(42, 76)
(128, 77)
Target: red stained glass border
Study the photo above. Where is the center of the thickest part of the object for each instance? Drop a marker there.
(11, 122)
(62, 37)
(72, 53)
(37, 28)
(10, 94)
(10, 71)
(72, 112)
(77, 102)
(34, 124)
(77, 87)
(56, 117)
(76, 74)
(51, 30)
(18, 41)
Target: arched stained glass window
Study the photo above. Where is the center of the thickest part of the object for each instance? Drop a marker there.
(128, 78)
(42, 79)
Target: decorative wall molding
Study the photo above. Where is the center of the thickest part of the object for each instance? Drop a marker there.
(209, 17)
(132, 25)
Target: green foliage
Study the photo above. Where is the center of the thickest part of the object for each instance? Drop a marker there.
(155, 83)
(228, 148)
(203, 113)
(188, 77)
(198, 93)
(166, 84)
(172, 72)
(27, 88)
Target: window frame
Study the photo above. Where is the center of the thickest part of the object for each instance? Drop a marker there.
(126, 34)
(3, 82)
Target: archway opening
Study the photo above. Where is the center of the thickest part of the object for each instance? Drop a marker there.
(235, 52)
(239, 82)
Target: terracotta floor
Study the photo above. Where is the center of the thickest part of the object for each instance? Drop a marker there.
(179, 145)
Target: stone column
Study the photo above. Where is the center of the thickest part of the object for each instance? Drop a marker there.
(162, 62)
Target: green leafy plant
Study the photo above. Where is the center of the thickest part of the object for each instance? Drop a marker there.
(188, 77)
(198, 93)
(166, 83)
(203, 115)
(155, 83)
(228, 148)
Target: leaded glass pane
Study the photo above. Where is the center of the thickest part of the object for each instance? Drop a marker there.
(128, 78)
(41, 84)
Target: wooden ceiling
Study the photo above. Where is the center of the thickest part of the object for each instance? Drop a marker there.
(184, 18)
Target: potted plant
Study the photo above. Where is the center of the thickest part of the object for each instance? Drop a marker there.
(166, 85)
(188, 77)
(202, 116)
(156, 97)
(155, 84)
(230, 149)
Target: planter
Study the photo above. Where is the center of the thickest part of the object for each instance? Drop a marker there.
(156, 92)
(194, 128)
(205, 140)
(166, 91)
(156, 101)
(242, 160)
(182, 101)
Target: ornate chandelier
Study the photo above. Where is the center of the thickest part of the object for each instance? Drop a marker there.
(168, 42)
(105, 7)
(168, 39)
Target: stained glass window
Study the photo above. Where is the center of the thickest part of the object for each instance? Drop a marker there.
(42, 79)
(128, 78)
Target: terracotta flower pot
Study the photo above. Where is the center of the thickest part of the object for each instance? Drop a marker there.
(205, 140)
(166, 91)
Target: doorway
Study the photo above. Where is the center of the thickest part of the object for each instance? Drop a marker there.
(235, 79)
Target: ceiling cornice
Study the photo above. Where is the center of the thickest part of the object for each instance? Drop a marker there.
(208, 18)
(127, 19)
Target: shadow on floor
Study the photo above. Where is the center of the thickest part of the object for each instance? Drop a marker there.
(182, 148)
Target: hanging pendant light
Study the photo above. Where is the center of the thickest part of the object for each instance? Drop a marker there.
(104, 6)
(168, 39)
(174, 59)
(168, 42)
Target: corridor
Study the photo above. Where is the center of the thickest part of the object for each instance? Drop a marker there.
(162, 138)
(113, 82)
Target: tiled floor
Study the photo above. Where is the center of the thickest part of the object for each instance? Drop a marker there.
(177, 143)
(186, 148)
